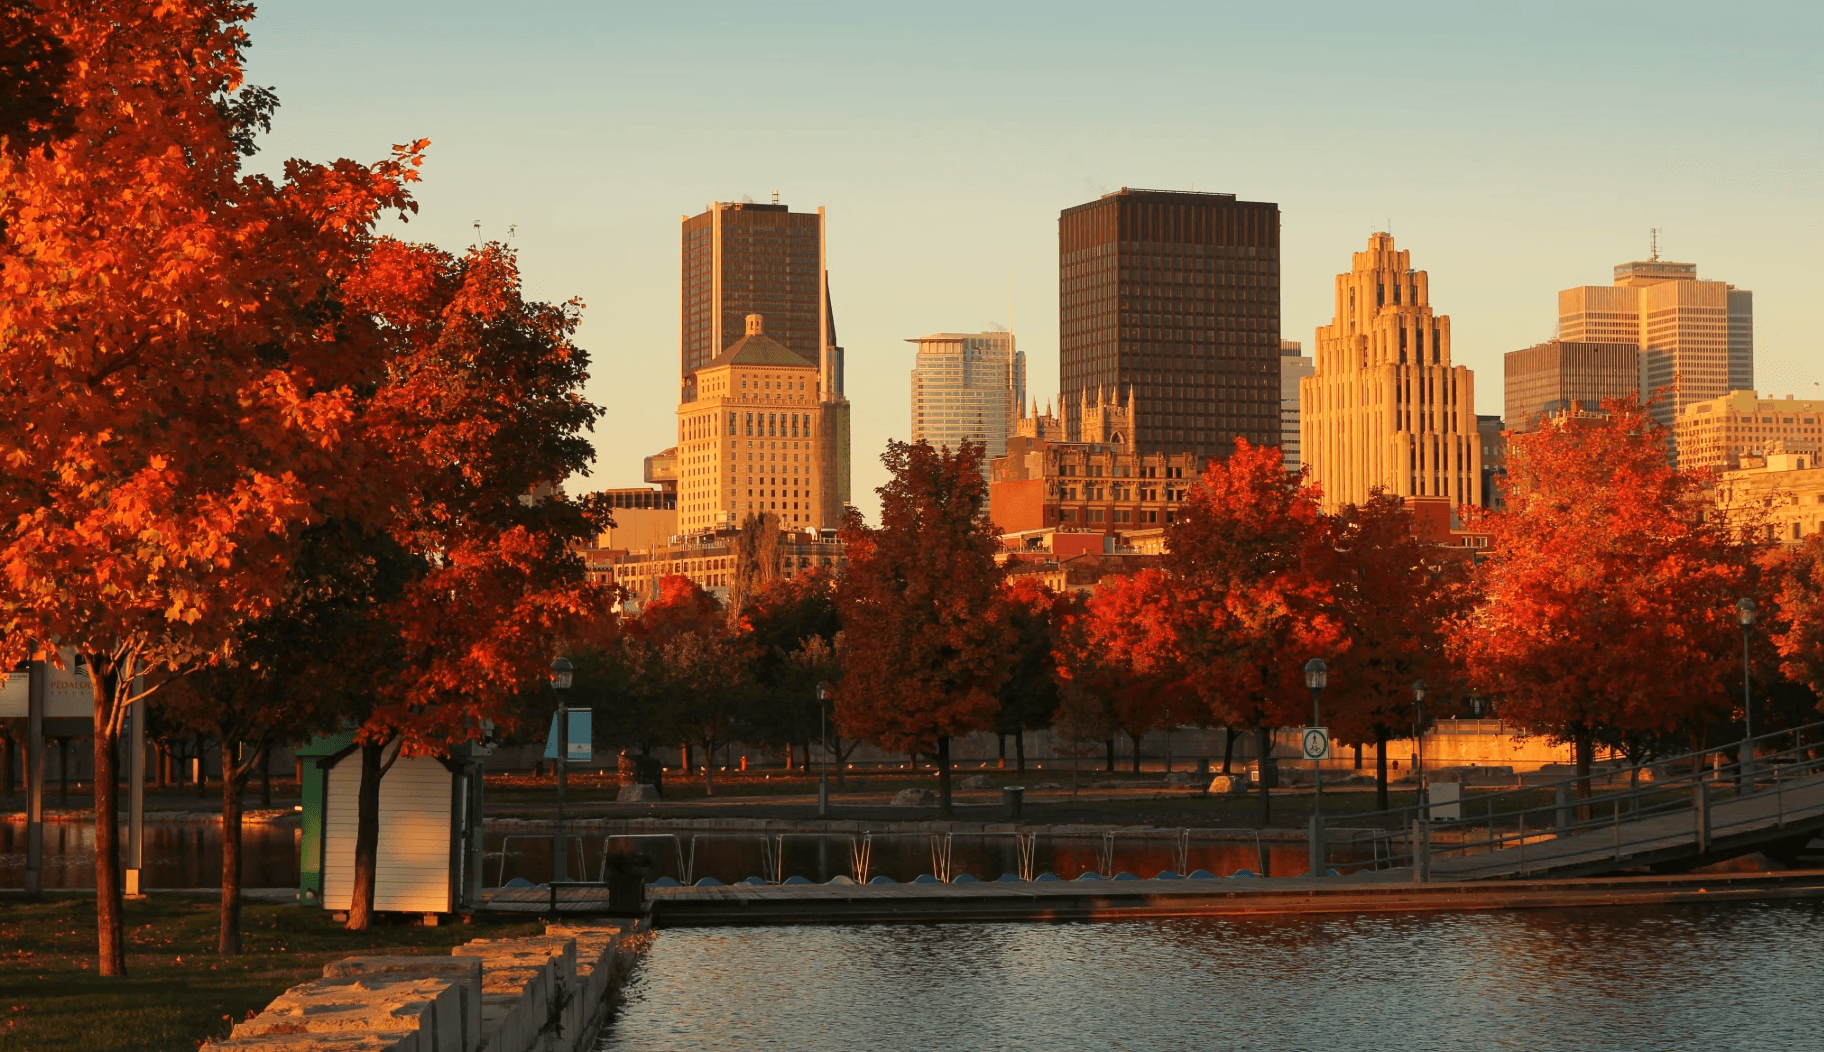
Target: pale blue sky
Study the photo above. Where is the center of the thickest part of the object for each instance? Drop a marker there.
(1515, 149)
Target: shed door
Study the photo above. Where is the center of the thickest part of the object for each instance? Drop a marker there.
(413, 875)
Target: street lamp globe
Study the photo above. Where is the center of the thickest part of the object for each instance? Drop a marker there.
(562, 673)
(1418, 690)
(1317, 674)
(1744, 612)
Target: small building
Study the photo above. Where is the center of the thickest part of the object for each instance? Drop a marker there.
(1779, 491)
(429, 858)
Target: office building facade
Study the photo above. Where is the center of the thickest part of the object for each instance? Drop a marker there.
(1721, 432)
(1172, 299)
(1385, 406)
(1547, 378)
(741, 258)
(1695, 337)
(1293, 367)
(967, 386)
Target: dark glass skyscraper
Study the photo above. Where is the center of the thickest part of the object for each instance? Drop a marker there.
(742, 258)
(1171, 300)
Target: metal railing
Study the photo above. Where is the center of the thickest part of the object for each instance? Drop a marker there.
(1674, 810)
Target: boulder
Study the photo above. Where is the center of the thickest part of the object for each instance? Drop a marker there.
(637, 793)
(1179, 779)
(978, 781)
(1048, 785)
(914, 798)
(1229, 783)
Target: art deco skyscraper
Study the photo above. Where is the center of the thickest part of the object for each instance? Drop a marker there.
(1385, 407)
(1169, 303)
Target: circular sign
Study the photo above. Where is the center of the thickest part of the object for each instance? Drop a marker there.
(1316, 743)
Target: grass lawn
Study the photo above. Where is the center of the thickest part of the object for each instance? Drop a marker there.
(177, 991)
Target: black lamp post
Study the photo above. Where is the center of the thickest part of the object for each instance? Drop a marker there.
(1744, 613)
(562, 674)
(823, 776)
(1317, 676)
(1418, 740)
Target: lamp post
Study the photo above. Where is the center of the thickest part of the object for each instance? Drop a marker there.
(1418, 742)
(823, 775)
(1744, 613)
(562, 673)
(1317, 676)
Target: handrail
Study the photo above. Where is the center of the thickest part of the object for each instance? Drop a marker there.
(1621, 813)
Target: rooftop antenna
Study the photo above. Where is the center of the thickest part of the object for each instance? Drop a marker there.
(477, 234)
(775, 197)
(1653, 242)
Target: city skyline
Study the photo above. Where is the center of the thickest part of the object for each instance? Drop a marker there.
(588, 146)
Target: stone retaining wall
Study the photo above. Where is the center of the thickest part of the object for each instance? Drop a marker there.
(540, 994)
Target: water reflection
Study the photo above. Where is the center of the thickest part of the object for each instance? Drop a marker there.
(176, 856)
(1615, 980)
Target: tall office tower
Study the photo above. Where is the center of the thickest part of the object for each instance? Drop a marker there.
(1385, 407)
(1696, 338)
(753, 436)
(1545, 379)
(967, 386)
(1293, 367)
(1171, 301)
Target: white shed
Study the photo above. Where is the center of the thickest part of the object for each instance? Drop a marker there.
(427, 830)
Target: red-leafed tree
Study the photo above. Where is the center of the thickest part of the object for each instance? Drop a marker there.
(1799, 632)
(179, 370)
(924, 653)
(1394, 593)
(1252, 605)
(1028, 698)
(1607, 612)
(480, 418)
(1119, 662)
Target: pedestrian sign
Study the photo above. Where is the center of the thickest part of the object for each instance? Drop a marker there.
(1314, 743)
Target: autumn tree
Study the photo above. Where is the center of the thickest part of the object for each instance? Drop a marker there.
(480, 419)
(1250, 602)
(1028, 699)
(1799, 631)
(924, 654)
(1607, 615)
(289, 673)
(1119, 662)
(178, 368)
(1393, 592)
(775, 626)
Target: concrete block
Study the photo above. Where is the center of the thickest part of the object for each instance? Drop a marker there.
(465, 972)
(366, 1004)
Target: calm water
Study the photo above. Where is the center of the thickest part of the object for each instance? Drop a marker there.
(176, 856)
(1709, 978)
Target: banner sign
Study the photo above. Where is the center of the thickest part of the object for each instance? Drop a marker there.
(582, 746)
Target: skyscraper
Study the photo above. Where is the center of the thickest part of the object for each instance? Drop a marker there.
(1385, 406)
(1696, 338)
(1547, 378)
(967, 386)
(1293, 367)
(741, 258)
(1169, 302)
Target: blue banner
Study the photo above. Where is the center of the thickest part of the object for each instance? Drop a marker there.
(582, 747)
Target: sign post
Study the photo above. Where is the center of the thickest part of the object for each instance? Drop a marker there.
(1314, 745)
(136, 792)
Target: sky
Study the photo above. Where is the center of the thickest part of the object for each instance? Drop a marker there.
(1515, 149)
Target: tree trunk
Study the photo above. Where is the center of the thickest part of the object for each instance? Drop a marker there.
(1380, 769)
(202, 767)
(1228, 747)
(684, 758)
(1002, 739)
(1263, 743)
(6, 762)
(367, 836)
(1358, 756)
(111, 936)
(266, 776)
(1135, 738)
(709, 756)
(1019, 752)
(943, 776)
(1111, 755)
(228, 940)
(162, 755)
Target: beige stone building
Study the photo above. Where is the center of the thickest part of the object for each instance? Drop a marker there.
(1780, 491)
(1696, 338)
(1385, 406)
(755, 434)
(1720, 432)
